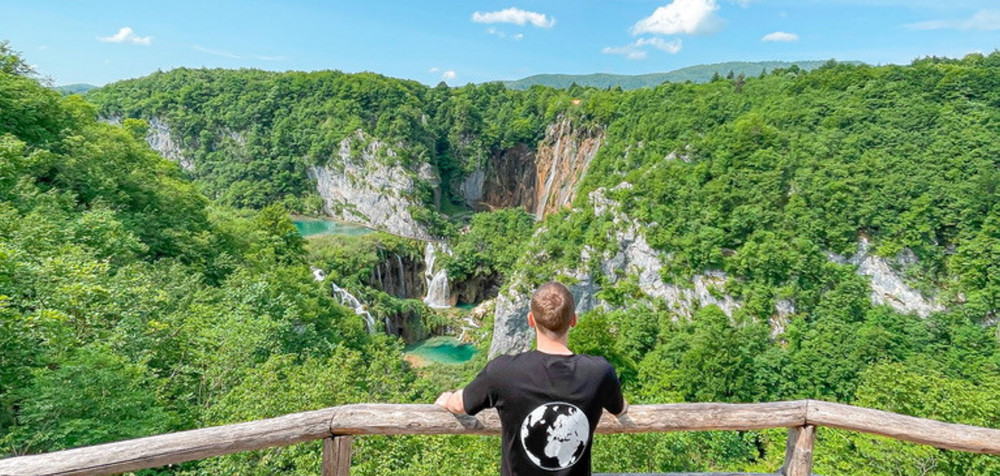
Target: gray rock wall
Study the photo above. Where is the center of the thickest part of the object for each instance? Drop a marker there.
(370, 188)
(632, 257)
(887, 284)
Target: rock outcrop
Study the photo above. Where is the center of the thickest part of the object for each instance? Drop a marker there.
(365, 184)
(632, 256)
(510, 179)
(399, 276)
(541, 180)
(563, 158)
(887, 284)
(161, 139)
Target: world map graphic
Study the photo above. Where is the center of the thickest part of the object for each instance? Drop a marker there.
(555, 435)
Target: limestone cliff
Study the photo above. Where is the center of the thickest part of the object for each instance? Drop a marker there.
(161, 139)
(364, 183)
(888, 286)
(543, 179)
(562, 160)
(510, 179)
(631, 256)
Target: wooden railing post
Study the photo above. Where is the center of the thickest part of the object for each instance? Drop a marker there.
(337, 456)
(799, 451)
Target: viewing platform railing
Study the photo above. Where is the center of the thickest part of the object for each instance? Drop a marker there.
(336, 426)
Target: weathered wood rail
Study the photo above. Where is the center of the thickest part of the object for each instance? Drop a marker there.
(338, 425)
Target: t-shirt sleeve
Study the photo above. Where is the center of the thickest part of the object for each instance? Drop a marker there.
(480, 393)
(611, 390)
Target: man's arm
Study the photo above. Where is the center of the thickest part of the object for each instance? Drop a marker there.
(452, 401)
(624, 408)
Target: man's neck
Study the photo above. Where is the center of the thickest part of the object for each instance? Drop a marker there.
(553, 345)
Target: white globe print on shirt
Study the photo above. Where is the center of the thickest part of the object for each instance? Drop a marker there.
(555, 435)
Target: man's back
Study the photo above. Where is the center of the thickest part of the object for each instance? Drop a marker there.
(549, 406)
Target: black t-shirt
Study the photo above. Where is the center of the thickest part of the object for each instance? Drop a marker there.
(549, 406)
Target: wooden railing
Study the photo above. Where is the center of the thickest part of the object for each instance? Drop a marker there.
(337, 426)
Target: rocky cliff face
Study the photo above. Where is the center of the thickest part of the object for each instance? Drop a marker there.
(399, 276)
(562, 160)
(887, 284)
(540, 180)
(631, 256)
(510, 179)
(161, 139)
(363, 183)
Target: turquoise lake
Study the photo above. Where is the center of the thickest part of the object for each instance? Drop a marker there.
(328, 227)
(444, 350)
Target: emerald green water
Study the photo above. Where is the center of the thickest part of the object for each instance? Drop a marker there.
(328, 227)
(444, 350)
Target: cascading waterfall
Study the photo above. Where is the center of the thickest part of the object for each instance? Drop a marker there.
(349, 300)
(402, 277)
(438, 288)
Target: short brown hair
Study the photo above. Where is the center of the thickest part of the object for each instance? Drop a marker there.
(552, 307)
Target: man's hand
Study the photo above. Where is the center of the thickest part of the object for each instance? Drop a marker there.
(451, 401)
(442, 401)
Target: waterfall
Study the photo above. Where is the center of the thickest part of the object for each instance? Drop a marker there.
(402, 278)
(349, 300)
(438, 288)
(318, 274)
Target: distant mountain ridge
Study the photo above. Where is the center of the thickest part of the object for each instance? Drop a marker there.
(696, 74)
(78, 88)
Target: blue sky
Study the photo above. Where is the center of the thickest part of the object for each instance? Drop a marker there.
(462, 41)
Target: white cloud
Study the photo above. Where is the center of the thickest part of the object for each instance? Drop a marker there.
(628, 51)
(672, 46)
(636, 50)
(515, 16)
(681, 17)
(449, 75)
(222, 53)
(434, 69)
(986, 19)
(43, 47)
(127, 35)
(502, 34)
(780, 36)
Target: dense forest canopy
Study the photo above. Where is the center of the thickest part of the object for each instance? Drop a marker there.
(286, 121)
(189, 292)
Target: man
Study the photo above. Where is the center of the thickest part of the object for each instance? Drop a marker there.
(549, 399)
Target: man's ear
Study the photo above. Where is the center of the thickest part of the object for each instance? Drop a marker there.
(574, 321)
(531, 320)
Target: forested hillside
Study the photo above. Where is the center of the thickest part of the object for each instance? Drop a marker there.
(829, 234)
(826, 235)
(131, 305)
(702, 73)
(251, 134)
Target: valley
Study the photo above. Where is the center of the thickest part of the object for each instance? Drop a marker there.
(228, 245)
